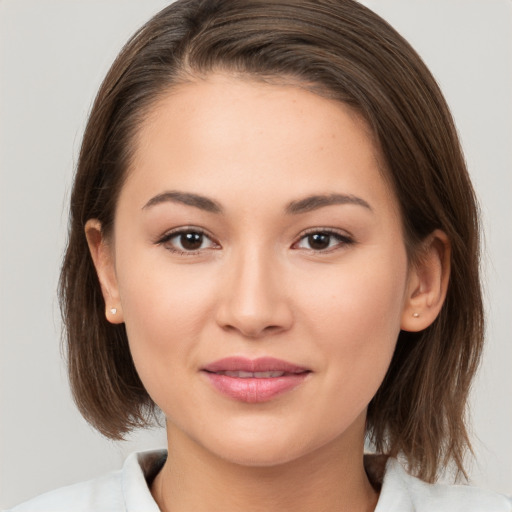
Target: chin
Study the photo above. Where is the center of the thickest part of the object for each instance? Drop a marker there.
(261, 458)
(260, 450)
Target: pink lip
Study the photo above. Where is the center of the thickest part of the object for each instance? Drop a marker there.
(262, 364)
(252, 389)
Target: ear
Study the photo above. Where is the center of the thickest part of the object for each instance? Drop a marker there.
(103, 258)
(427, 283)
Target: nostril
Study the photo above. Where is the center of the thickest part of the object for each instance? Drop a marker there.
(253, 314)
(253, 332)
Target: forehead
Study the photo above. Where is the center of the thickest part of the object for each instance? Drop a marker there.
(226, 133)
(219, 101)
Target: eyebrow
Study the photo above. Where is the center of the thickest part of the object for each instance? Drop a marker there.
(319, 201)
(304, 205)
(201, 202)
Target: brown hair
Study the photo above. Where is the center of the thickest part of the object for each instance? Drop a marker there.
(341, 49)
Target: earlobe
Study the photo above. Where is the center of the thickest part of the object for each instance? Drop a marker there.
(103, 259)
(427, 284)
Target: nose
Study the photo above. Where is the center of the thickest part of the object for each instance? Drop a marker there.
(253, 300)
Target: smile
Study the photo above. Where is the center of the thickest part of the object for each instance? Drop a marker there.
(254, 381)
(248, 375)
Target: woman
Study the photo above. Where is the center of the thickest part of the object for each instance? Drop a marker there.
(273, 241)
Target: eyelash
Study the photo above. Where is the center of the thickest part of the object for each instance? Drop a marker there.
(164, 240)
(343, 240)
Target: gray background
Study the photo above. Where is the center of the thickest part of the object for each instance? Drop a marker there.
(53, 55)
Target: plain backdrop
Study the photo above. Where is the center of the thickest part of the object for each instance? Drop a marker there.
(53, 55)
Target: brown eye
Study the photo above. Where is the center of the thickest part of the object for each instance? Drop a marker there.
(323, 241)
(191, 241)
(319, 241)
(187, 241)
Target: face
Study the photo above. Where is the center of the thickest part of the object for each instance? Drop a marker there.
(255, 223)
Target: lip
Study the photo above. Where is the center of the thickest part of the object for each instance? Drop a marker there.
(252, 389)
(262, 364)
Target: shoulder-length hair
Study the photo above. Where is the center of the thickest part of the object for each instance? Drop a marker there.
(342, 50)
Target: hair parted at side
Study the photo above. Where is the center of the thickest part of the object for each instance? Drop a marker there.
(337, 48)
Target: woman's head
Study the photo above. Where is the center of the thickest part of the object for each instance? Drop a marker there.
(343, 53)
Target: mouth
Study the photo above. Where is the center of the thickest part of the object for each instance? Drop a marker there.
(257, 366)
(255, 375)
(256, 380)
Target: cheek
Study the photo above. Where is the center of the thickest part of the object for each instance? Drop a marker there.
(164, 308)
(358, 300)
(355, 320)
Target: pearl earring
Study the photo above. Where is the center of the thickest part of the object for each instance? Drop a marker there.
(113, 311)
(416, 315)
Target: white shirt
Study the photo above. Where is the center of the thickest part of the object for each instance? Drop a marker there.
(127, 491)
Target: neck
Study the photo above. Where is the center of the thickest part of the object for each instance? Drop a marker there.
(331, 478)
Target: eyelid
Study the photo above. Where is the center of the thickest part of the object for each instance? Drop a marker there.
(343, 237)
(168, 235)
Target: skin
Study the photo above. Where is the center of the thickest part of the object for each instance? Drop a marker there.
(257, 287)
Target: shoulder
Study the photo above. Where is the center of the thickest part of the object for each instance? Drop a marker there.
(100, 494)
(402, 492)
(126, 489)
